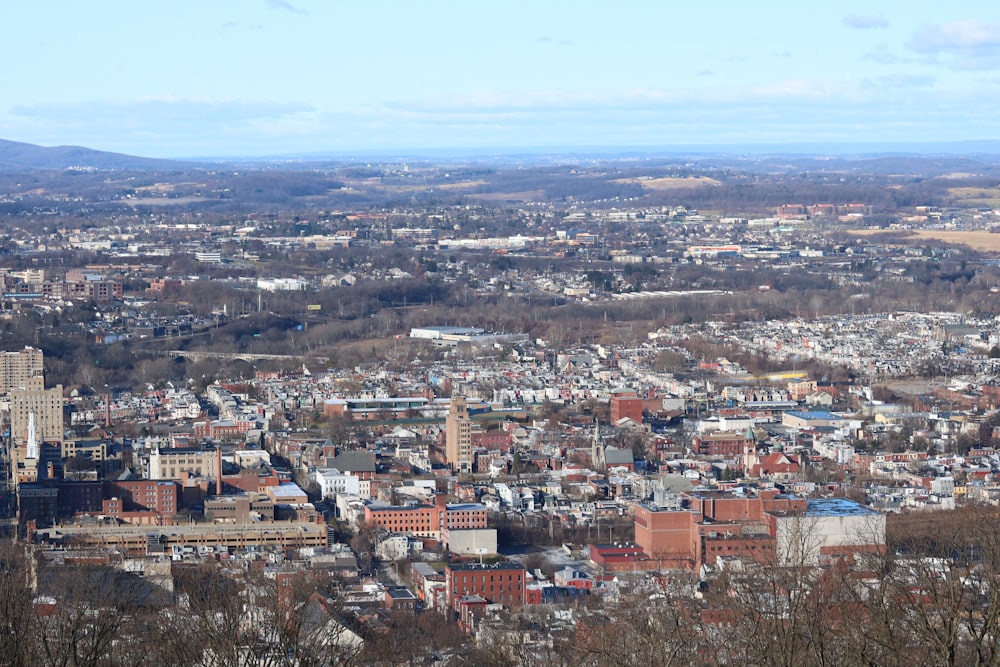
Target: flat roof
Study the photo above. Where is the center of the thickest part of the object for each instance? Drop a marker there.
(479, 567)
(401, 594)
(289, 490)
(183, 450)
(189, 530)
(451, 330)
(466, 506)
(837, 507)
(813, 414)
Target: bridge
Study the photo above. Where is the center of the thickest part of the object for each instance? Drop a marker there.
(245, 356)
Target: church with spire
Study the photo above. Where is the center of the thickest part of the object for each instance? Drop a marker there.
(606, 457)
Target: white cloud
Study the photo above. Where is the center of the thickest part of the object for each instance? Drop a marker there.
(861, 22)
(503, 102)
(969, 44)
(284, 5)
(160, 108)
(905, 81)
(881, 108)
(883, 56)
(163, 121)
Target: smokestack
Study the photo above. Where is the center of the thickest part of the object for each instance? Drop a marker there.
(218, 470)
(107, 410)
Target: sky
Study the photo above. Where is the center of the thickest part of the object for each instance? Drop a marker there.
(250, 78)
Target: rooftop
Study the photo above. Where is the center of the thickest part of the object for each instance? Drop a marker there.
(813, 414)
(504, 565)
(836, 507)
(290, 490)
(401, 594)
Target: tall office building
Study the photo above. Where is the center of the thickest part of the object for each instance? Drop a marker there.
(458, 436)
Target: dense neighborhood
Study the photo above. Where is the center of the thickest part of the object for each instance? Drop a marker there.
(474, 435)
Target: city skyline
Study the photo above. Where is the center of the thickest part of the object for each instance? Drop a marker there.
(279, 77)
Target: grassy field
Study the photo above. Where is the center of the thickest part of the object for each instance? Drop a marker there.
(978, 240)
(671, 183)
(374, 184)
(162, 201)
(977, 196)
(531, 195)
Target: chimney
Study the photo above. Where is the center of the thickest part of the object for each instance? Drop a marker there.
(218, 470)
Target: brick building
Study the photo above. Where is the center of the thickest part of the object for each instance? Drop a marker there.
(761, 527)
(427, 520)
(723, 444)
(492, 440)
(143, 495)
(131, 501)
(227, 429)
(710, 524)
(624, 404)
(499, 583)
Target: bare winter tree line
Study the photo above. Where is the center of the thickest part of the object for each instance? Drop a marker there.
(929, 599)
(111, 614)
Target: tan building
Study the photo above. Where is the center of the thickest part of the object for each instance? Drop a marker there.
(24, 368)
(47, 406)
(458, 436)
(183, 462)
(240, 509)
(139, 540)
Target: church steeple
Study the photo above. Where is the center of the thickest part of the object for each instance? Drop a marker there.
(32, 446)
(750, 457)
(597, 448)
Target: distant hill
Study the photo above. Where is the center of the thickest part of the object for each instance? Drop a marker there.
(16, 156)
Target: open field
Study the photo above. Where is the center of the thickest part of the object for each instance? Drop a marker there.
(163, 201)
(671, 183)
(977, 196)
(530, 195)
(979, 240)
(159, 188)
(372, 184)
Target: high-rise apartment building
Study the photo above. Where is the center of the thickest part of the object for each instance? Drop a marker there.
(22, 368)
(458, 436)
(47, 407)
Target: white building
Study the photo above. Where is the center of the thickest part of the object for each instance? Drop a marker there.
(281, 284)
(333, 483)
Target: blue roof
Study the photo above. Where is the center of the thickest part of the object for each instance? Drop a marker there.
(814, 414)
(289, 490)
(836, 507)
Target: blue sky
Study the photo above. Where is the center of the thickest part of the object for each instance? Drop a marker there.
(183, 78)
